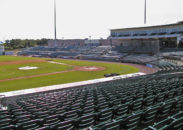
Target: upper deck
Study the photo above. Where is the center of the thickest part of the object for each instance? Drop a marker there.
(160, 31)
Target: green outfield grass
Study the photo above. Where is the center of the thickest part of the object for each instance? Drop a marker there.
(15, 58)
(67, 77)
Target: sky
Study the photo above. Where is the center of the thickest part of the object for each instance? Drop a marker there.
(34, 19)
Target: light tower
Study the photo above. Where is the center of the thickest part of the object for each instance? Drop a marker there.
(145, 12)
(55, 30)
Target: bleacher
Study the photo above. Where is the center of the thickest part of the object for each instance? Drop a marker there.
(139, 58)
(169, 68)
(149, 102)
(44, 51)
(85, 52)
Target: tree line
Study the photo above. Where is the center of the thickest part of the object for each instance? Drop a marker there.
(20, 43)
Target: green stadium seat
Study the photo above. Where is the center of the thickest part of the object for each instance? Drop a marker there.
(8, 127)
(179, 103)
(160, 97)
(5, 122)
(60, 110)
(44, 128)
(51, 120)
(171, 94)
(136, 105)
(5, 116)
(178, 115)
(30, 125)
(23, 118)
(132, 121)
(129, 98)
(148, 101)
(88, 110)
(105, 115)
(41, 115)
(177, 124)
(166, 108)
(162, 125)
(86, 121)
(121, 110)
(115, 125)
(102, 106)
(71, 115)
(115, 102)
(139, 95)
(2, 112)
(150, 114)
(66, 125)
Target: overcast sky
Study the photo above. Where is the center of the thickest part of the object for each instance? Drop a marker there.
(33, 19)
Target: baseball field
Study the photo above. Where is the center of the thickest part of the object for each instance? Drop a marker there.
(18, 73)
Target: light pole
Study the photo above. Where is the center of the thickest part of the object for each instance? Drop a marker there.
(55, 31)
(145, 13)
(90, 40)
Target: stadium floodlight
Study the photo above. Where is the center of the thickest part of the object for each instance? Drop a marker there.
(145, 12)
(55, 31)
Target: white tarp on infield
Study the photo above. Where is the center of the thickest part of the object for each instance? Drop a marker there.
(28, 68)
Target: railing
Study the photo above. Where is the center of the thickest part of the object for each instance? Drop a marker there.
(146, 36)
(2, 97)
(160, 31)
(146, 33)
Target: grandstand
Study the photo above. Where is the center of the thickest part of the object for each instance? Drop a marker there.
(86, 52)
(134, 45)
(150, 102)
(149, 39)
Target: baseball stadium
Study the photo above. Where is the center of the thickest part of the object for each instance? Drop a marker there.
(132, 80)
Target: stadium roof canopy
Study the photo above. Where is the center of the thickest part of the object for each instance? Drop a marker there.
(150, 27)
(174, 30)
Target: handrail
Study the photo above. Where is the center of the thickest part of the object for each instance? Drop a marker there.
(1, 100)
